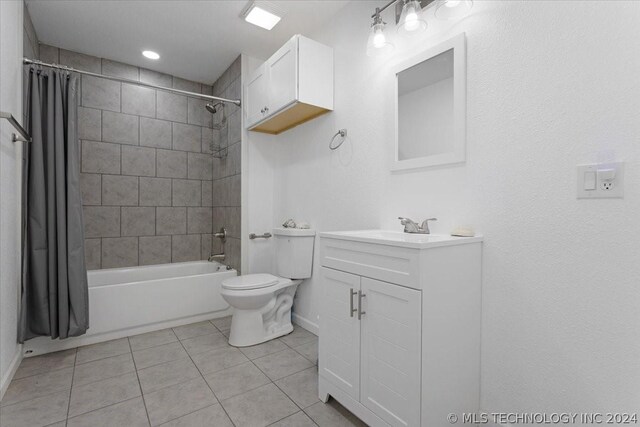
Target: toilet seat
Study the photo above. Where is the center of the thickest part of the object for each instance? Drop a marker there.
(249, 282)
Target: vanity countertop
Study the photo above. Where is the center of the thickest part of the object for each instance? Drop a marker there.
(399, 238)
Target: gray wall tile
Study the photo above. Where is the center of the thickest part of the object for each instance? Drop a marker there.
(171, 164)
(80, 61)
(207, 195)
(205, 244)
(100, 93)
(92, 253)
(101, 221)
(118, 69)
(198, 220)
(91, 188)
(139, 161)
(207, 140)
(155, 78)
(138, 221)
(100, 157)
(49, 54)
(119, 252)
(199, 166)
(235, 127)
(155, 191)
(138, 100)
(120, 128)
(171, 221)
(155, 250)
(187, 137)
(89, 124)
(189, 85)
(229, 218)
(186, 192)
(118, 190)
(185, 248)
(171, 107)
(155, 133)
(232, 249)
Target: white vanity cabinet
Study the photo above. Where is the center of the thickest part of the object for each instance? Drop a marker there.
(293, 86)
(400, 325)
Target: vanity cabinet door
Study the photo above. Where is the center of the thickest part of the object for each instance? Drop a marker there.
(283, 76)
(339, 358)
(391, 351)
(257, 96)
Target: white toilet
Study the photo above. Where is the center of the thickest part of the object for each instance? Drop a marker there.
(262, 302)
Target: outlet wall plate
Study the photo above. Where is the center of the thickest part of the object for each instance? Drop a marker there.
(609, 181)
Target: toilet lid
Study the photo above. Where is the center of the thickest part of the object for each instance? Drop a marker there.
(250, 281)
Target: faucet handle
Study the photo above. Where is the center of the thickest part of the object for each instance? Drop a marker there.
(425, 225)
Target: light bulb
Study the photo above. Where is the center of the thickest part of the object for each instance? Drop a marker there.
(379, 39)
(452, 9)
(378, 44)
(452, 3)
(411, 20)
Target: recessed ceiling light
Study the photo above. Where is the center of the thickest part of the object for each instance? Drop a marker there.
(150, 54)
(263, 15)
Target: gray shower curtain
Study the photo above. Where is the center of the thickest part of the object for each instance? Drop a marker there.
(54, 277)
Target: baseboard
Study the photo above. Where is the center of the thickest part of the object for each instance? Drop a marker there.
(13, 367)
(305, 323)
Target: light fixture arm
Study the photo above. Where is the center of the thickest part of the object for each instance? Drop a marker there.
(379, 10)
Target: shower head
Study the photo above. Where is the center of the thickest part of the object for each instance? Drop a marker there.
(213, 108)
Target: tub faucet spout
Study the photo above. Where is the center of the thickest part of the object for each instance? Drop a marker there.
(216, 257)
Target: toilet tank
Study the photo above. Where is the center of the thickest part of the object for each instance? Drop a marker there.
(294, 252)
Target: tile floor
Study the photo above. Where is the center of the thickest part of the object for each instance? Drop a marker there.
(186, 376)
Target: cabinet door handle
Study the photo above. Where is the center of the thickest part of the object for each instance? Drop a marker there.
(351, 309)
(360, 312)
(262, 111)
(266, 109)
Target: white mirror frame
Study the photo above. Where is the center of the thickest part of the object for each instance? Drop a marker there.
(458, 155)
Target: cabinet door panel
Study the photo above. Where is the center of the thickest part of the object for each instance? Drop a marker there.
(391, 352)
(283, 76)
(339, 359)
(257, 95)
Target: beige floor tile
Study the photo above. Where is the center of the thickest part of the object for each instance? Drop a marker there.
(181, 399)
(38, 385)
(37, 412)
(259, 407)
(170, 373)
(103, 369)
(45, 363)
(158, 355)
(332, 414)
(130, 413)
(195, 330)
(152, 339)
(103, 350)
(223, 323)
(301, 387)
(236, 380)
(218, 359)
(212, 415)
(309, 351)
(282, 364)
(299, 419)
(298, 337)
(103, 393)
(260, 350)
(205, 343)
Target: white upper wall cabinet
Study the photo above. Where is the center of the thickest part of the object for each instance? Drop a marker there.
(295, 85)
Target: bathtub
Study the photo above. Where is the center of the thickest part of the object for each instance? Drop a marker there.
(135, 300)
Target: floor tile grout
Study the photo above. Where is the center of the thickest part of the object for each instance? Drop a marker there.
(144, 402)
(75, 357)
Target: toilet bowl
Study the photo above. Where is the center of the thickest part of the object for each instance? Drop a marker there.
(262, 302)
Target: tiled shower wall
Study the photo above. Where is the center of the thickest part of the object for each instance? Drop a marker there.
(147, 168)
(226, 171)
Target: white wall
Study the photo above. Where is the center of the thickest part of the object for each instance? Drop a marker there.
(550, 85)
(10, 163)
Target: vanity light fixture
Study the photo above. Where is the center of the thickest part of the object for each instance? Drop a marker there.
(378, 45)
(150, 54)
(410, 20)
(262, 14)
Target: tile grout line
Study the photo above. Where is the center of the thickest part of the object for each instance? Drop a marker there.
(75, 358)
(139, 384)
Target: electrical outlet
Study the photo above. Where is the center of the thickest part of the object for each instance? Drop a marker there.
(601, 181)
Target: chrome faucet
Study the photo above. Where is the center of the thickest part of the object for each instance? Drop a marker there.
(222, 235)
(412, 227)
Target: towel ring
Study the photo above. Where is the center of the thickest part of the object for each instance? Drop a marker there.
(342, 133)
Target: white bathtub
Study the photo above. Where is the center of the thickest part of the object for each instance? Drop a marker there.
(135, 300)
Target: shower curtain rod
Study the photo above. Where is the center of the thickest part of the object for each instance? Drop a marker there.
(133, 82)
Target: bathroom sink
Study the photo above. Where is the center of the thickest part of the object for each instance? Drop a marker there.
(399, 238)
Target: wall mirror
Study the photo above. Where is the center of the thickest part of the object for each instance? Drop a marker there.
(431, 107)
